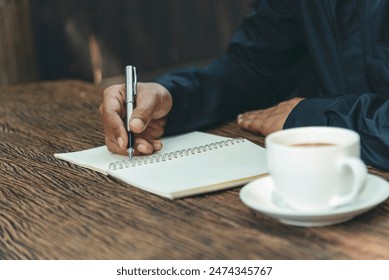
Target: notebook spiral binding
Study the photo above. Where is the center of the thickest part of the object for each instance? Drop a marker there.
(173, 155)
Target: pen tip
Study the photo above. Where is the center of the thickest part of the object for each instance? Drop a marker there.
(130, 152)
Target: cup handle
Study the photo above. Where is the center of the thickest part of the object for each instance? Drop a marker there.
(359, 172)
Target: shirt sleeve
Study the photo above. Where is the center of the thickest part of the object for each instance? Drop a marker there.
(255, 72)
(367, 114)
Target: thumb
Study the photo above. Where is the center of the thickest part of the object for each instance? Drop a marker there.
(142, 114)
(153, 101)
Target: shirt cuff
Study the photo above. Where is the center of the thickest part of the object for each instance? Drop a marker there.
(309, 112)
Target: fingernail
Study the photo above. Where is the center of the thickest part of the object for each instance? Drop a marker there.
(138, 123)
(141, 148)
(120, 142)
(157, 146)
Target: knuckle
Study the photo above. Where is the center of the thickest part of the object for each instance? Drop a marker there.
(113, 91)
(145, 111)
(107, 91)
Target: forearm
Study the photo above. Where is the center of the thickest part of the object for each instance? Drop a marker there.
(203, 97)
(367, 114)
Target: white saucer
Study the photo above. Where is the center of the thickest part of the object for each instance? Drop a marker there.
(260, 196)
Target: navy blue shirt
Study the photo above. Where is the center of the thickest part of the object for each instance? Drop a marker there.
(333, 52)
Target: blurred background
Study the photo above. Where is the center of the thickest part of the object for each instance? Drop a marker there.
(92, 40)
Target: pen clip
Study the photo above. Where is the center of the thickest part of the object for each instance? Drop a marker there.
(134, 82)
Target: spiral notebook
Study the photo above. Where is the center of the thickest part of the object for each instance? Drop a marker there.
(187, 165)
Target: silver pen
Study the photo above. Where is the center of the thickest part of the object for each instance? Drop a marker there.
(131, 81)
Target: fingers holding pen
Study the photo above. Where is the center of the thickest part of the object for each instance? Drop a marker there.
(153, 103)
(147, 142)
(151, 134)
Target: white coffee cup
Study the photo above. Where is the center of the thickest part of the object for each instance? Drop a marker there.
(316, 168)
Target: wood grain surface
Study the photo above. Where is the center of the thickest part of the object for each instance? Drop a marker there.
(50, 209)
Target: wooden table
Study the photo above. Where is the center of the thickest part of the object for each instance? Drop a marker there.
(50, 209)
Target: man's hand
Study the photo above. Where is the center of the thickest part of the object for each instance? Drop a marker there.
(153, 103)
(268, 120)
